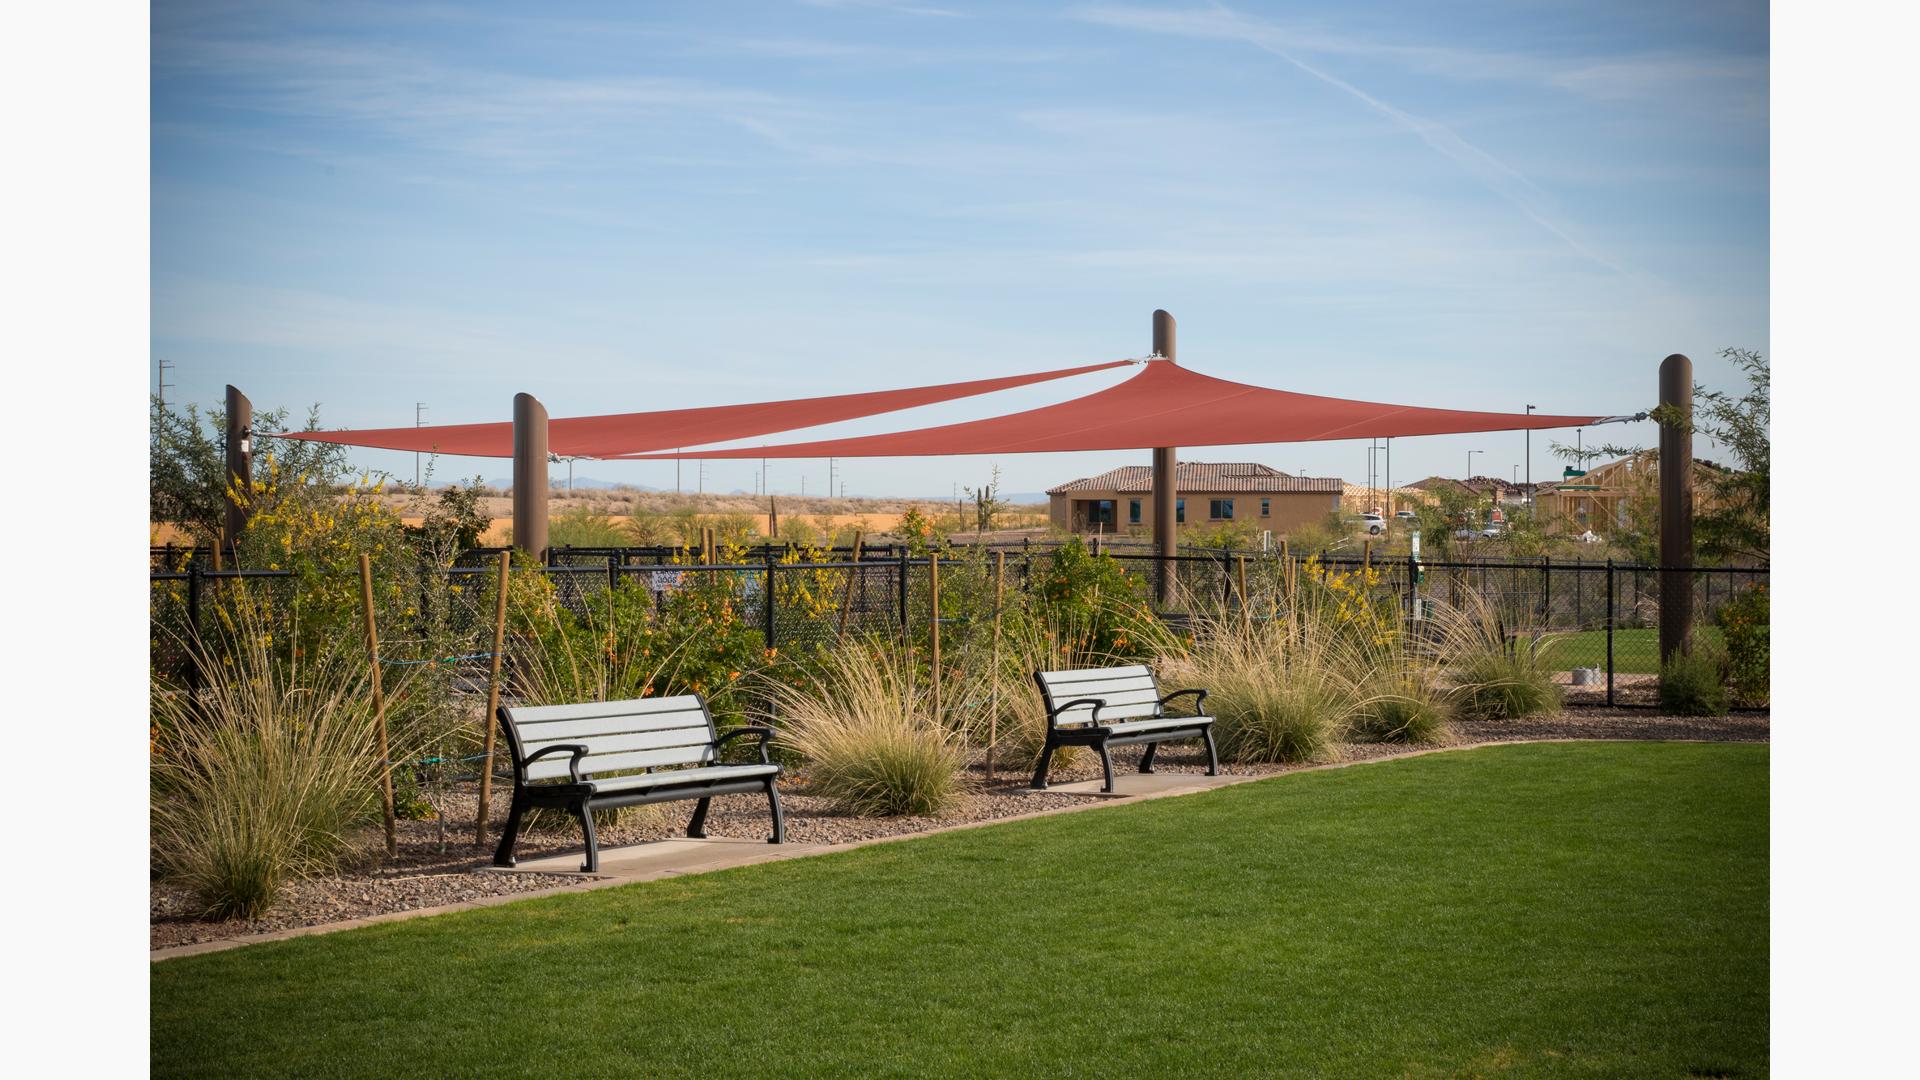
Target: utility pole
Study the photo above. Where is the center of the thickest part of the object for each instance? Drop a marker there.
(1389, 476)
(676, 471)
(829, 478)
(165, 364)
(703, 476)
(1470, 454)
(420, 408)
(1530, 409)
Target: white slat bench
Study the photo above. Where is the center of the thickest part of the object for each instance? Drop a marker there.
(1116, 706)
(583, 758)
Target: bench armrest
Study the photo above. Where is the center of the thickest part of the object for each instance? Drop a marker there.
(763, 733)
(1053, 715)
(578, 750)
(1199, 701)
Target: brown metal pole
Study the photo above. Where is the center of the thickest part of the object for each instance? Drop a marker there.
(493, 703)
(239, 466)
(1166, 541)
(379, 706)
(1676, 506)
(530, 476)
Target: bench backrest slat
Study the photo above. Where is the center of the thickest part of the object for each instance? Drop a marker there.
(618, 735)
(1126, 693)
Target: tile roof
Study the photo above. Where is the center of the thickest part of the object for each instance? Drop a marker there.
(1202, 476)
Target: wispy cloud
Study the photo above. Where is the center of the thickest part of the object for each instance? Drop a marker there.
(1498, 177)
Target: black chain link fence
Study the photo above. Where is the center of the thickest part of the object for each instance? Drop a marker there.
(1595, 623)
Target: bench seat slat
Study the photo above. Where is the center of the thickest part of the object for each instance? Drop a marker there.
(681, 776)
(1157, 723)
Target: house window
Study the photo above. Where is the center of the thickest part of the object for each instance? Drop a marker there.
(1266, 507)
(1100, 512)
(1133, 511)
(1179, 511)
(1220, 509)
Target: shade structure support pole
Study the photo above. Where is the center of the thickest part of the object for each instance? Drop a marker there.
(238, 496)
(1166, 542)
(530, 476)
(1676, 504)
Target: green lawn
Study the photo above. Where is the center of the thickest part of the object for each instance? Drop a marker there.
(1552, 909)
(1634, 651)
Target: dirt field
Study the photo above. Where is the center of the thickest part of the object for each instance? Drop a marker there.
(870, 515)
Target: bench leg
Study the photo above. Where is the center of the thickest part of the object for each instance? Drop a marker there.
(1213, 756)
(503, 855)
(593, 845)
(779, 818)
(1146, 759)
(1106, 766)
(1040, 770)
(697, 828)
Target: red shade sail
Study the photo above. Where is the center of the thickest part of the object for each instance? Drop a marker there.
(1164, 405)
(630, 434)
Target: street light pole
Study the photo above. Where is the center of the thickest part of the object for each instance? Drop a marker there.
(1530, 409)
(1470, 454)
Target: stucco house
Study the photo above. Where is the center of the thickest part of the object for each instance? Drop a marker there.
(1208, 494)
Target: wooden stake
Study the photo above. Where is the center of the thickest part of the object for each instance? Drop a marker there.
(933, 630)
(1366, 554)
(853, 575)
(493, 704)
(379, 706)
(993, 704)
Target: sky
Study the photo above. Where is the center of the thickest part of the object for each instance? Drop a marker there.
(619, 207)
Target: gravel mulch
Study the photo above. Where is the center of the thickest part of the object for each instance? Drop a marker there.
(437, 867)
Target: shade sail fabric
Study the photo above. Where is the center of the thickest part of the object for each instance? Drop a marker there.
(623, 434)
(1164, 405)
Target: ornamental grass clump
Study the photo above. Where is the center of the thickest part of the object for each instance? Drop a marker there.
(1279, 690)
(1488, 676)
(265, 775)
(864, 722)
(1402, 706)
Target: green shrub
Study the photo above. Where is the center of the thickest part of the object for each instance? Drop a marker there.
(1080, 589)
(1744, 627)
(1693, 682)
(866, 726)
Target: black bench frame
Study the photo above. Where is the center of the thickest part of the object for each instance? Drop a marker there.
(577, 797)
(1100, 738)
